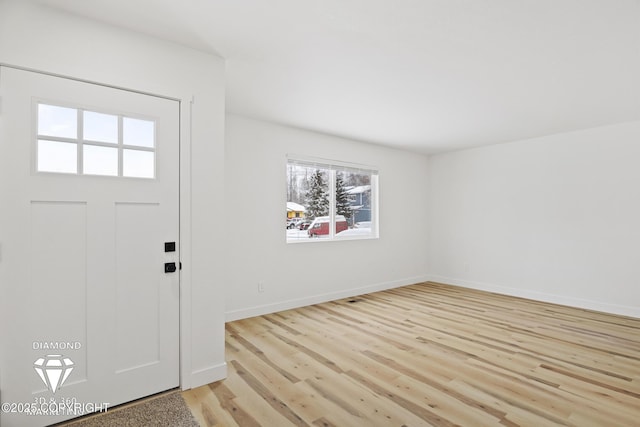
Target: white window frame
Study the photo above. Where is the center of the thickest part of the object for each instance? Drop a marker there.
(333, 167)
(79, 141)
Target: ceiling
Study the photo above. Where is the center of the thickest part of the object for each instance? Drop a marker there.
(423, 75)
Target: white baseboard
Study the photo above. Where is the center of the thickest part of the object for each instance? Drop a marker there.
(317, 299)
(541, 296)
(207, 375)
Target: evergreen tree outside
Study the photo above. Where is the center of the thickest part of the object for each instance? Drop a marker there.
(297, 183)
(317, 197)
(343, 204)
(292, 193)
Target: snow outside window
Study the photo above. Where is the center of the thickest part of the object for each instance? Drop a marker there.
(329, 200)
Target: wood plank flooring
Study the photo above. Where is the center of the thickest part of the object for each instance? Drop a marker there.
(427, 354)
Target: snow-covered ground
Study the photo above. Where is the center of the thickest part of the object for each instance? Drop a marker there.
(354, 233)
(295, 234)
(298, 235)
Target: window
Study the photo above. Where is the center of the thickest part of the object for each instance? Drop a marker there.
(329, 200)
(84, 142)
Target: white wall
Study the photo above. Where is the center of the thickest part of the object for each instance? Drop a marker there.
(43, 39)
(554, 218)
(306, 273)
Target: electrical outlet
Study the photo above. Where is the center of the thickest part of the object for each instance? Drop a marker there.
(260, 286)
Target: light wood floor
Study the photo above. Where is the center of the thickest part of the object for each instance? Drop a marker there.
(427, 354)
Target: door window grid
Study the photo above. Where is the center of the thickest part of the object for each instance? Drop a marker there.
(86, 142)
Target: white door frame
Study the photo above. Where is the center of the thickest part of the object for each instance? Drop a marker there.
(184, 194)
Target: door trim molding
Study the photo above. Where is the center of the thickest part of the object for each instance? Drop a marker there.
(81, 80)
(185, 241)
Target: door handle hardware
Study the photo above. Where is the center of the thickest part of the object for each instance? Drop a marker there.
(170, 267)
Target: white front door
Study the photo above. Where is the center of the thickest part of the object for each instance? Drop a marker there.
(89, 224)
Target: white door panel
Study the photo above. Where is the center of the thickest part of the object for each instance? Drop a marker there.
(82, 257)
